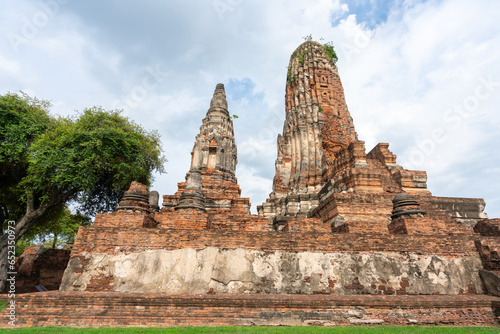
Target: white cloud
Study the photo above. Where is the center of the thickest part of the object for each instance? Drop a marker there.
(11, 67)
(252, 184)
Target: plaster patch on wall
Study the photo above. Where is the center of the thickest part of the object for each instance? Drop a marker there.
(249, 271)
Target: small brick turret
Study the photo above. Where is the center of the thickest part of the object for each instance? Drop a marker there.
(405, 206)
(136, 198)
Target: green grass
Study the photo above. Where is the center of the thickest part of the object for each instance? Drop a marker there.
(248, 330)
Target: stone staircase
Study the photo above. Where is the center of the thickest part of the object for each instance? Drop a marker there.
(103, 309)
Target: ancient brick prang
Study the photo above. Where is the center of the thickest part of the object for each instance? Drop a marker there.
(317, 125)
(210, 198)
(211, 183)
(323, 170)
(215, 147)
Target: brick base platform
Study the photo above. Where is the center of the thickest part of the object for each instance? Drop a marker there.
(89, 309)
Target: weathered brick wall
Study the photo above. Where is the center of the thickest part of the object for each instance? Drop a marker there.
(427, 225)
(228, 220)
(467, 211)
(119, 219)
(368, 213)
(488, 227)
(488, 243)
(182, 219)
(446, 223)
(185, 219)
(169, 262)
(382, 153)
(166, 310)
(414, 182)
(26, 261)
(489, 251)
(307, 225)
(435, 222)
(41, 268)
(128, 240)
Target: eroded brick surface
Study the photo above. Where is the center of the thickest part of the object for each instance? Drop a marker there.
(38, 267)
(124, 310)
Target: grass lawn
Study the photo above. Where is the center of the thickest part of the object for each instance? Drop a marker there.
(248, 330)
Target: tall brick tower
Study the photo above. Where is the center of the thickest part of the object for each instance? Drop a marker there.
(211, 182)
(317, 125)
(214, 147)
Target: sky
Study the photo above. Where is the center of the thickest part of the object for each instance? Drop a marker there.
(423, 76)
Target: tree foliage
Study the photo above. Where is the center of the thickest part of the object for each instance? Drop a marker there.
(330, 52)
(46, 162)
(22, 120)
(92, 159)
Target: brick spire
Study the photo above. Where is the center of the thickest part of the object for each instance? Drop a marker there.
(211, 181)
(317, 125)
(215, 147)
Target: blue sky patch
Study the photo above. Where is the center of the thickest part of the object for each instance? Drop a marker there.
(239, 89)
(370, 12)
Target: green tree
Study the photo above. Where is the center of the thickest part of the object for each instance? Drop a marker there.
(46, 162)
(58, 227)
(22, 119)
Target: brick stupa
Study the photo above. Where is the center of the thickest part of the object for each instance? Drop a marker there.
(345, 238)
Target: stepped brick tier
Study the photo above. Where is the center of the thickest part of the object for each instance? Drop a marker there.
(91, 309)
(346, 237)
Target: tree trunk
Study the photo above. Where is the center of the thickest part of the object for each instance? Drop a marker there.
(55, 241)
(21, 227)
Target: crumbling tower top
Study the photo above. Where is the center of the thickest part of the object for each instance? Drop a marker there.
(215, 147)
(219, 102)
(317, 125)
(314, 81)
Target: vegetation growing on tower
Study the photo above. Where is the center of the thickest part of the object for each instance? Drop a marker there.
(329, 51)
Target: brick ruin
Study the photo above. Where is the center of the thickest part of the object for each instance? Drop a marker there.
(324, 172)
(42, 268)
(346, 237)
